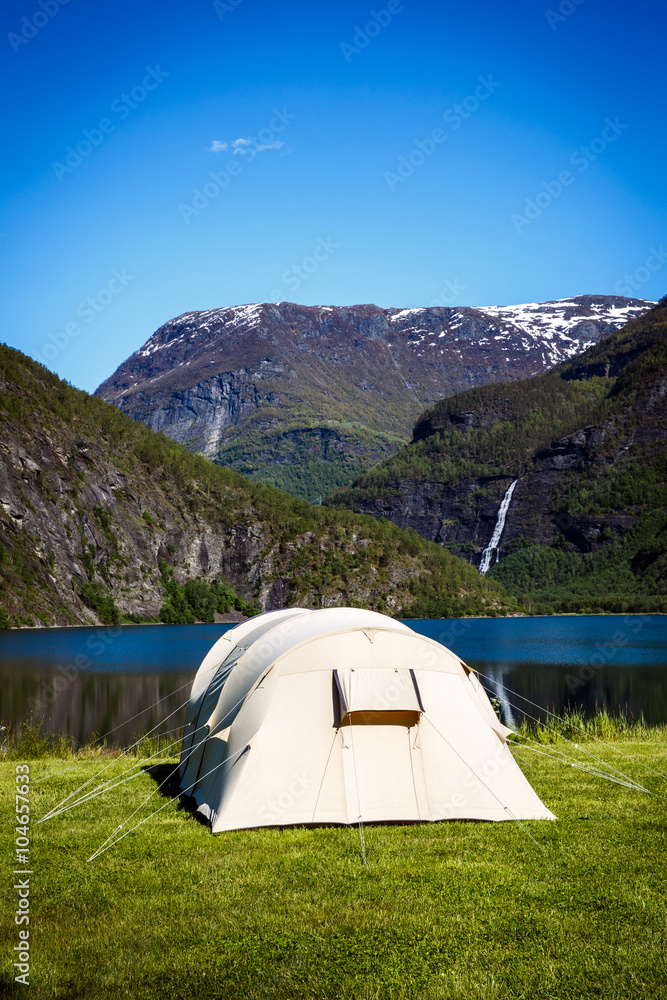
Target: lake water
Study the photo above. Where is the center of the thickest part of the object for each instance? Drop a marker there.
(132, 678)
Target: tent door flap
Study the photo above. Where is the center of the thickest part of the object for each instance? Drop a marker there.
(377, 697)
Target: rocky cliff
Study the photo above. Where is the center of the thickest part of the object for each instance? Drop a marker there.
(102, 519)
(586, 444)
(308, 397)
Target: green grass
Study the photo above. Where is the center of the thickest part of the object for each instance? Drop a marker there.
(454, 910)
(28, 740)
(575, 724)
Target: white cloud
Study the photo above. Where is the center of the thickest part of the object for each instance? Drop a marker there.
(252, 146)
(244, 146)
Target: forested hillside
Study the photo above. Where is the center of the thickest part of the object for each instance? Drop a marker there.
(104, 520)
(307, 397)
(587, 525)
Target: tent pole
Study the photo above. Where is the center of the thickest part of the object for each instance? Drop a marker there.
(356, 782)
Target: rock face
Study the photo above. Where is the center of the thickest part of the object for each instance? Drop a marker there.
(100, 516)
(462, 517)
(83, 520)
(618, 387)
(264, 388)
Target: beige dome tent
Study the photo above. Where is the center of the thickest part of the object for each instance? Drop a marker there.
(341, 716)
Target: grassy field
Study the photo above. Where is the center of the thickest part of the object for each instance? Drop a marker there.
(454, 910)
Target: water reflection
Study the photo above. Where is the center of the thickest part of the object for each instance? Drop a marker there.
(616, 661)
(494, 682)
(124, 681)
(124, 705)
(641, 690)
(128, 680)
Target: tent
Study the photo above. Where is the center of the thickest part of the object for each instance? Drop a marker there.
(340, 716)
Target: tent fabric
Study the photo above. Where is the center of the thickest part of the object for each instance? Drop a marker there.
(214, 671)
(328, 717)
(377, 696)
(377, 690)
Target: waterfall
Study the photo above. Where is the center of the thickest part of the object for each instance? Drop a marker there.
(497, 683)
(488, 553)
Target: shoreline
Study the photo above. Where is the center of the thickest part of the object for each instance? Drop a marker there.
(240, 620)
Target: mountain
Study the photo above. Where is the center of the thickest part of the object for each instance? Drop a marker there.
(308, 397)
(586, 523)
(104, 520)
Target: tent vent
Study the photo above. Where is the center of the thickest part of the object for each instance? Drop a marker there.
(377, 697)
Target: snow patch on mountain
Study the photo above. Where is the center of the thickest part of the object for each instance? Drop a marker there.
(555, 319)
(404, 312)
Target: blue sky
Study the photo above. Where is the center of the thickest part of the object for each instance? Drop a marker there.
(401, 153)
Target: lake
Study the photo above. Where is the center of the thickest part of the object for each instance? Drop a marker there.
(129, 679)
